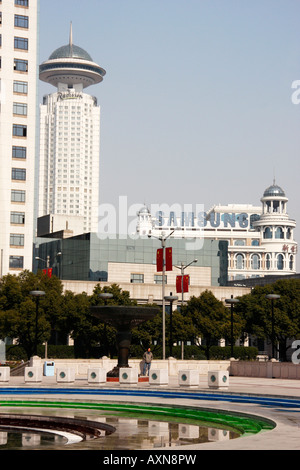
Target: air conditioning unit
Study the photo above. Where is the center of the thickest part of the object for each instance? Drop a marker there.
(127, 375)
(96, 375)
(218, 379)
(158, 377)
(188, 378)
(33, 374)
(65, 375)
(4, 374)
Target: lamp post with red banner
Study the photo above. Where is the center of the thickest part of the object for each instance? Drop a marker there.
(182, 282)
(163, 263)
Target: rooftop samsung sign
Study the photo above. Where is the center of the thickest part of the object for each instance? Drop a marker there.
(202, 219)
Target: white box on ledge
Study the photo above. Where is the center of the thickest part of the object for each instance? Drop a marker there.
(158, 377)
(96, 375)
(188, 378)
(33, 374)
(65, 374)
(127, 375)
(4, 374)
(218, 379)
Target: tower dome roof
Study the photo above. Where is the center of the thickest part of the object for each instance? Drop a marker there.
(274, 190)
(70, 51)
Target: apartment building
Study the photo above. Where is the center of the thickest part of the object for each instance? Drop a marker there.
(18, 131)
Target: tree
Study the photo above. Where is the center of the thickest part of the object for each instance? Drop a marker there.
(208, 316)
(257, 312)
(89, 331)
(18, 312)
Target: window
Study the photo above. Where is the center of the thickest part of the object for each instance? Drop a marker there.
(18, 174)
(16, 239)
(23, 3)
(18, 196)
(239, 242)
(19, 152)
(20, 87)
(268, 261)
(137, 278)
(16, 262)
(158, 279)
(21, 21)
(267, 233)
(21, 43)
(17, 218)
(20, 109)
(21, 65)
(239, 261)
(279, 233)
(280, 260)
(255, 262)
(291, 263)
(19, 130)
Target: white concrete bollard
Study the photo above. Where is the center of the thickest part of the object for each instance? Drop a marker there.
(65, 375)
(96, 375)
(218, 379)
(127, 375)
(4, 374)
(188, 378)
(158, 377)
(33, 374)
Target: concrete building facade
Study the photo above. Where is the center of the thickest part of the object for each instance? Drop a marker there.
(19, 20)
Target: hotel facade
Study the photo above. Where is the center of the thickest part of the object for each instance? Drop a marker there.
(70, 137)
(18, 131)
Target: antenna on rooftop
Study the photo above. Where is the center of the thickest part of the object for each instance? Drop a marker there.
(71, 38)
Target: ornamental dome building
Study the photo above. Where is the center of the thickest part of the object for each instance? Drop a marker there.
(70, 140)
(276, 230)
(72, 66)
(260, 238)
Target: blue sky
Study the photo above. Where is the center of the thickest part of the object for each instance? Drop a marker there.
(196, 104)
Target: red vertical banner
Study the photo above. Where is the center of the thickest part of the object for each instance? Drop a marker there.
(186, 281)
(178, 284)
(47, 272)
(159, 260)
(169, 262)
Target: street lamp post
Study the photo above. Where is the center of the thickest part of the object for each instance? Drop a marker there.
(273, 297)
(47, 261)
(163, 245)
(37, 294)
(182, 268)
(231, 302)
(171, 299)
(106, 296)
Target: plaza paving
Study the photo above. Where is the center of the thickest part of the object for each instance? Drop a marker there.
(242, 395)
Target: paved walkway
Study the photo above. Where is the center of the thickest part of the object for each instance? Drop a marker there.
(285, 436)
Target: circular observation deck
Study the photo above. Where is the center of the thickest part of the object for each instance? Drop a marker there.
(71, 65)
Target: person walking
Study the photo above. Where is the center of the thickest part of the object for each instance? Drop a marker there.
(148, 356)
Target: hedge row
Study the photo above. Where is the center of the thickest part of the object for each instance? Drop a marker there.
(17, 353)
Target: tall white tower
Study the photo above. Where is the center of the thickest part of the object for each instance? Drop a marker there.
(70, 137)
(18, 113)
(277, 232)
